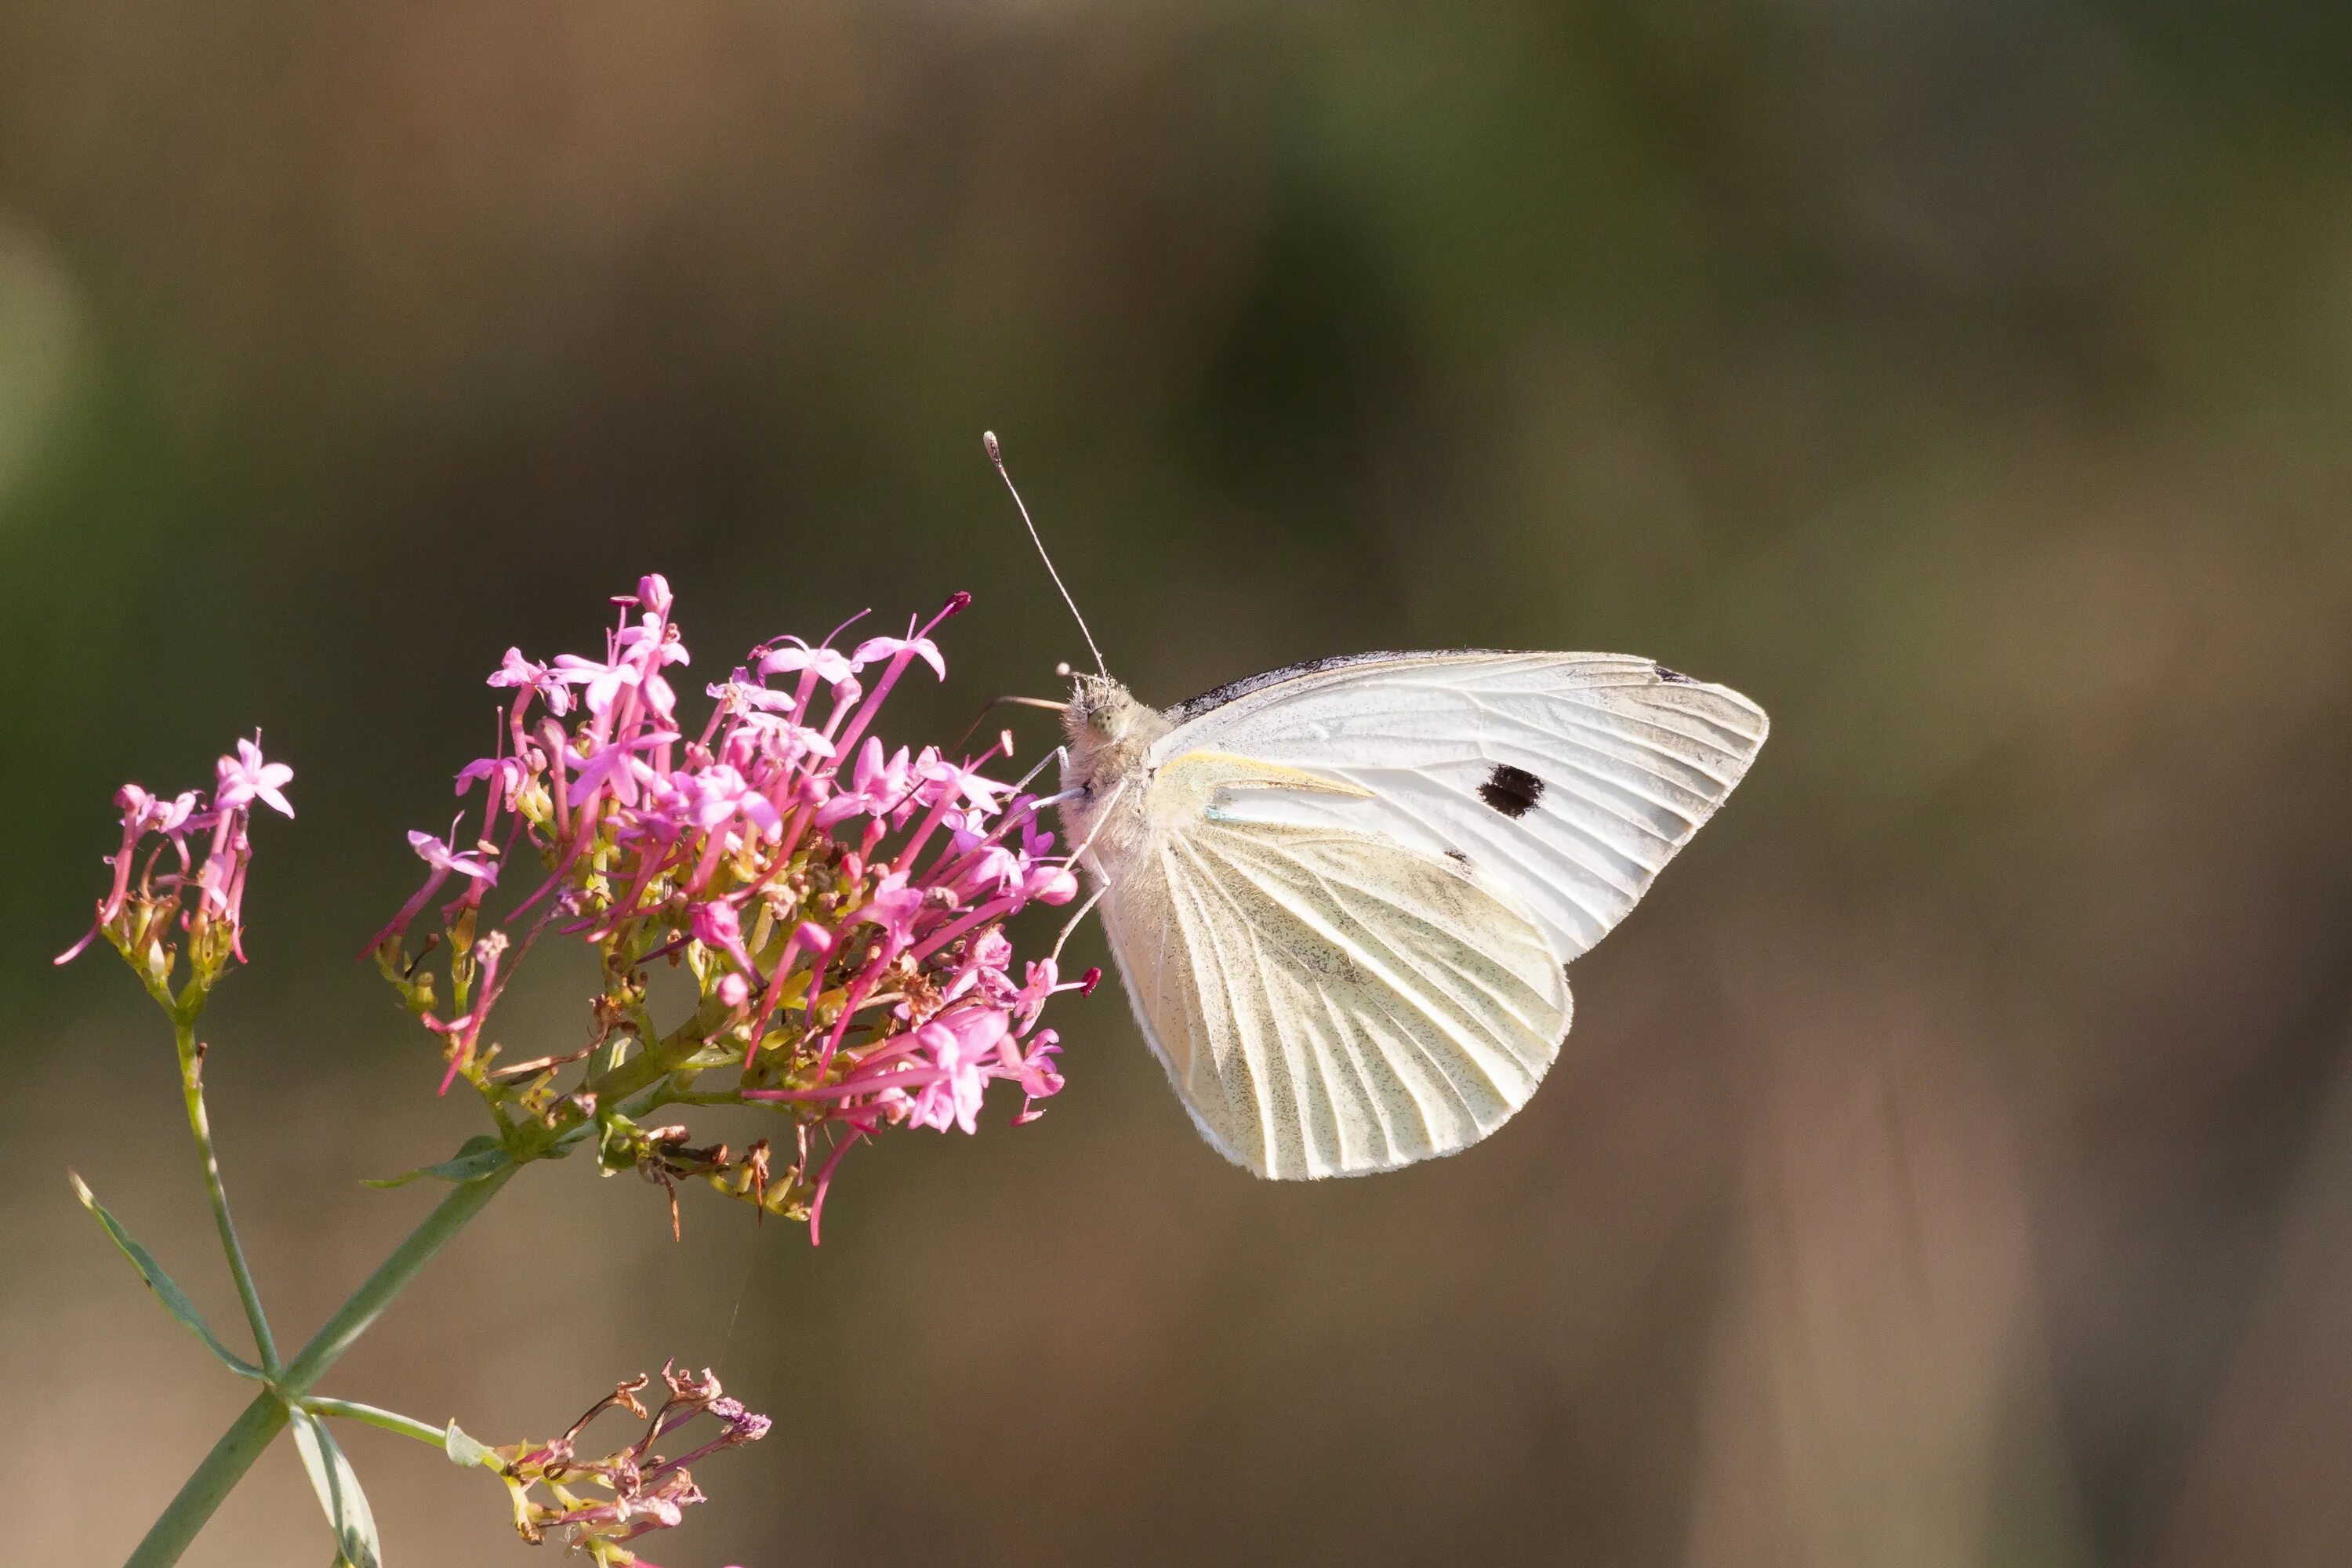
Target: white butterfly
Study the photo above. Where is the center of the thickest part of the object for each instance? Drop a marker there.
(1342, 895)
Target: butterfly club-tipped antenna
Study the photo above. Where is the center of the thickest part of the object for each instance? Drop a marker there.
(996, 456)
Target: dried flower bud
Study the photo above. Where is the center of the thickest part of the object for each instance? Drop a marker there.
(600, 1503)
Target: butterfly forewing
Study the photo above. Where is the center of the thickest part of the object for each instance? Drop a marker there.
(1562, 782)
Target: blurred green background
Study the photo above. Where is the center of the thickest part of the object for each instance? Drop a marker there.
(1953, 1161)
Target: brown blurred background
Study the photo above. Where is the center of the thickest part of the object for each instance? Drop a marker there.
(1954, 1161)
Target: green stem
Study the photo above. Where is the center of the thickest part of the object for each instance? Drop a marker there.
(244, 1442)
(352, 1318)
(223, 1467)
(192, 1090)
(390, 1420)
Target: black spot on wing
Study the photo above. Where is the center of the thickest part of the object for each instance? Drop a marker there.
(1193, 707)
(1458, 858)
(1673, 676)
(1511, 790)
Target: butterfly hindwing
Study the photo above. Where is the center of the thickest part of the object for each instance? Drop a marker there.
(1328, 1001)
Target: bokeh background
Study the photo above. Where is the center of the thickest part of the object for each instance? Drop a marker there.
(1954, 1161)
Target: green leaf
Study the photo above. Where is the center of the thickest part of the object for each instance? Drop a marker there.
(476, 1157)
(337, 1486)
(175, 1301)
(465, 1451)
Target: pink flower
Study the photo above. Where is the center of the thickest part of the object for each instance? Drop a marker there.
(134, 802)
(721, 793)
(604, 681)
(883, 787)
(1035, 1072)
(959, 1046)
(511, 774)
(831, 665)
(245, 778)
(894, 908)
(944, 781)
(615, 764)
(1035, 844)
(655, 643)
(1043, 980)
(143, 813)
(996, 870)
(873, 650)
(1052, 884)
(780, 741)
(717, 926)
(658, 638)
(768, 836)
(764, 722)
(444, 858)
(520, 674)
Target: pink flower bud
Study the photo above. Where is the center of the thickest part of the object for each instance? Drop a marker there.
(1053, 884)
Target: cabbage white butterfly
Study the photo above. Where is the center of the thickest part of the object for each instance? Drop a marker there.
(1342, 896)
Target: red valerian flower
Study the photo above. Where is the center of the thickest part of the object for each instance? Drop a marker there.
(840, 905)
(533, 680)
(246, 777)
(149, 903)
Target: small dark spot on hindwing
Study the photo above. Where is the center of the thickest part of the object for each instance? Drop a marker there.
(1674, 676)
(1511, 790)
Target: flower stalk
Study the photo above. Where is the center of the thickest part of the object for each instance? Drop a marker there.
(191, 1053)
(388, 1420)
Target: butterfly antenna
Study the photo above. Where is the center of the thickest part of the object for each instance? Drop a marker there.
(996, 456)
(993, 703)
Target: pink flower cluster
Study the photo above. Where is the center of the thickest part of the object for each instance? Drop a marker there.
(838, 903)
(207, 904)
(644, 1490)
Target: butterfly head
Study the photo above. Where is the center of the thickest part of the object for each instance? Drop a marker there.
(1100, 709)
(1109, 731)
